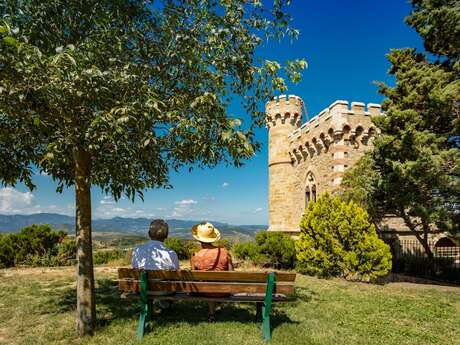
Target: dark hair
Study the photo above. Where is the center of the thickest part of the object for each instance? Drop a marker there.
(158, 230)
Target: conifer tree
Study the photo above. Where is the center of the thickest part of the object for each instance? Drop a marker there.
(413, 170)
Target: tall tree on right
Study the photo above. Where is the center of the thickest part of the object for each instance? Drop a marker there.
(413, 170)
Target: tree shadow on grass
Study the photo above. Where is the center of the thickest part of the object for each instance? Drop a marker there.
(109, 304)
(110, 307)
(305, 295)
(197, 312)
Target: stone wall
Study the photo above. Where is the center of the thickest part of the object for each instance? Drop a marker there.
(306, 160)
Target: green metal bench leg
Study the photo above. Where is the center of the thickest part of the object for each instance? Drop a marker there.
(267, 307)
(146, 309)
(141, 324)
(266, 330)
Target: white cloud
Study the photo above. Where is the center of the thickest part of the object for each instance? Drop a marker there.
(225, 184)
(14, 201)
(186, 202)
(258, 209)
(185, 207)
(108, 208)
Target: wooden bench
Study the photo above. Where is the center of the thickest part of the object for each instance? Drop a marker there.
(262, 288)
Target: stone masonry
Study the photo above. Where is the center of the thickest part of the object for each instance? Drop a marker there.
(306, 160)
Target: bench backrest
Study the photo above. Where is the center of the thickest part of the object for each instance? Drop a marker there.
(206, 282)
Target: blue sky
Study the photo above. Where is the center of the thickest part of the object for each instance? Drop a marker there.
(344, 43)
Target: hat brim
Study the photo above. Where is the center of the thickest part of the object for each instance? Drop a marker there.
(205, 239)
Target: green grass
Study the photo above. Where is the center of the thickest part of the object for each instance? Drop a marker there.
(37, 307)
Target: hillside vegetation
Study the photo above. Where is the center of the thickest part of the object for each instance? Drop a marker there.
(38, 308)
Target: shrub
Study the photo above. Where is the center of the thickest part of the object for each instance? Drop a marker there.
(271, 249)
(183, 248)
(102, 257)
(29, 245)
(337, 239)
(67, 251)
(245, 250)
(275, 249)
(7, 250)
(44, 260)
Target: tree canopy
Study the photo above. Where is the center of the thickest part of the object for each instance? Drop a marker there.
(116, 93)
(413, 170)
(143, 87)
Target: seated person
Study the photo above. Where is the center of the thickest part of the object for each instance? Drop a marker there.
(210, 258)
(153, 255)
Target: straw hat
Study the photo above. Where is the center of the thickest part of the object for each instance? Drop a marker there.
(205, 232)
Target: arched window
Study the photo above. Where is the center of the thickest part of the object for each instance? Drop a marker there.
(307, 196)
(310, 189)
(444, 242)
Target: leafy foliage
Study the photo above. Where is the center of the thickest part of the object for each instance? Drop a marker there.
(414, 169)
(183, 248)
(271, 249)
(140, 87)
(437, 21)
(101, 257)
(245, 251)
(36, 245)
(115, 94)
(337, 239)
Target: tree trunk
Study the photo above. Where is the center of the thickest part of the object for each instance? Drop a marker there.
(86, 304)
(422, 240)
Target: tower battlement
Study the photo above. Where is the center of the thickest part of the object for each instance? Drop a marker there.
(284, 108)
(310, 158)
(337, 122)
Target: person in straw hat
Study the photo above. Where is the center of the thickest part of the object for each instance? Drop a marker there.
(210, 257)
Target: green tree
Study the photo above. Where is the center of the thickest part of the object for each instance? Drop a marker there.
(337, 239)
(35, 243)
(270, 249)
(183, 248)
(37, 240)
(7, 250)
(114, 94)
(275, 249)
(414, 169)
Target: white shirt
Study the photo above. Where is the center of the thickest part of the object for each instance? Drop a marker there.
(153, 255)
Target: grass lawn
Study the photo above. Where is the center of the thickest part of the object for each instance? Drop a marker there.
(37, 307)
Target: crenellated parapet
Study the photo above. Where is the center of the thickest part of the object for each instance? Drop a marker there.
(284, 110)
(339, 123)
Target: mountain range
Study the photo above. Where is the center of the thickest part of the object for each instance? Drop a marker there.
(177, 227)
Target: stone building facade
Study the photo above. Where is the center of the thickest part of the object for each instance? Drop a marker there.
(306, 159)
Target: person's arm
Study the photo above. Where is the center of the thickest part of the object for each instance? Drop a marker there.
(230, 263)
(134, 263)
(192, 262)
(176, 262)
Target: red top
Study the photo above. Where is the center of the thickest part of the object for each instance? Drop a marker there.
(215, 259)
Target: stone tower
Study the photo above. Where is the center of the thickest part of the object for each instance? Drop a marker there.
(308, 159)
(283, 116)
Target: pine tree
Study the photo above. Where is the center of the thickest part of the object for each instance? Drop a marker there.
(414, 169)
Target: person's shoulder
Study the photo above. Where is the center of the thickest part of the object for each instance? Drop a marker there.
(222, 249)
(140, 246)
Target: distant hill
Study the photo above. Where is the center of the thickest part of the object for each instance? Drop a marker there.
(139, 226)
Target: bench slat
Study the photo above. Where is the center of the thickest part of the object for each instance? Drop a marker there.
(236, 299)
(227, 276)
(130, 285)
